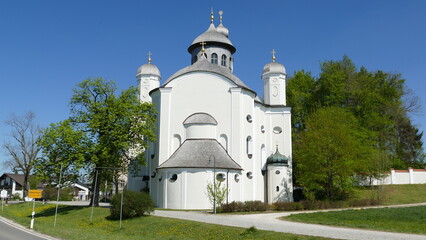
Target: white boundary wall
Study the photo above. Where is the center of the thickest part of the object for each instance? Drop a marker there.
(410, 176)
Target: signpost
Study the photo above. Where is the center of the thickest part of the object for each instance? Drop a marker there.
(34, 194)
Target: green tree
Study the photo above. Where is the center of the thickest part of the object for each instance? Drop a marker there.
(116, 130)
(63, 147)
(300, 90)
(333, 148)
(380, 101)
(217, 193)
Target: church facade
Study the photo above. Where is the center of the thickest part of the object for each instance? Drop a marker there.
(212, 127)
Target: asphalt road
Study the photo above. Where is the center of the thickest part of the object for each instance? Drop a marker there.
(12, 231)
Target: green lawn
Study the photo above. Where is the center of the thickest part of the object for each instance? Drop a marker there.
(74, 223)
(407, 219)
(397, 194)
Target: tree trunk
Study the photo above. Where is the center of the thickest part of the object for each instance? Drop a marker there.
(26, 185)
(96, 183)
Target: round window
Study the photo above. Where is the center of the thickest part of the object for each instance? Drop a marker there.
(220, 177)
(277, 172)
(249, 175)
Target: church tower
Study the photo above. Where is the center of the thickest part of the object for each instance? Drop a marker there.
(274, 83)
(149, 78)
(218, 49)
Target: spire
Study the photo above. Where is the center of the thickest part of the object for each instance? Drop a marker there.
(273, 55)
(220, 28)
(211, 16)
(149, 57)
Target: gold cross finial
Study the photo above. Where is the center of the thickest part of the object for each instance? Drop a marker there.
(202, 47)
(211, 15)
(220, 15)
(149, 57)
(273, 55)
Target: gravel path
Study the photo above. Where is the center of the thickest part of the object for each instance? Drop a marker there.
(270, 221)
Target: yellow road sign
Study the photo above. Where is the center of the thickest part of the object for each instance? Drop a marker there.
(35, 193)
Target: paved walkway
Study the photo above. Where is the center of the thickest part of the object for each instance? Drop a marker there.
(270, 221)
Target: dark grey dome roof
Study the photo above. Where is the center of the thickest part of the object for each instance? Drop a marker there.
(212, 36)
(200, 118)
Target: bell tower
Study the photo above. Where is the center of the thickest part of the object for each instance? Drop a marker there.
(274, 83)
(149, 78)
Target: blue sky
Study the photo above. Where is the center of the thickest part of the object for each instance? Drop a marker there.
(47, 47)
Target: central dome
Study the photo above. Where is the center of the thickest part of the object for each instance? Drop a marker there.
(212, 36)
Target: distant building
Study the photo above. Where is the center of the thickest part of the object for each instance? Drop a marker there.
(13, 184)
(211, 125)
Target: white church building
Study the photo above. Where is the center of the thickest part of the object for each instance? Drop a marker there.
(210, 124)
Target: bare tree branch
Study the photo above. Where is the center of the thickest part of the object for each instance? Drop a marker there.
(22, 146)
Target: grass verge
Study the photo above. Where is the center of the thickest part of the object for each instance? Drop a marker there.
(73, 222)
(406, 219)
(395, 194)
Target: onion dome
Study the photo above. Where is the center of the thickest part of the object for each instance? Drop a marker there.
(277, 159)
(148, 68)
(274, 67)
(213, 37)
(222, 29)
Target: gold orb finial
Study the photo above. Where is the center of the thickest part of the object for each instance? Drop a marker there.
(273, 55)
(149, 57)
(220, 15)
(211, 15)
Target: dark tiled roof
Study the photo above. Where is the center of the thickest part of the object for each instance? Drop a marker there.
(196, 153)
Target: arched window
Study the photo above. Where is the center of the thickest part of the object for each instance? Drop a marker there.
(224, 141)
(223, 60)
(214, 58)
(176, 142)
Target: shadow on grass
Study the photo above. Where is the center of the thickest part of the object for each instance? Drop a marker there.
(62, 210)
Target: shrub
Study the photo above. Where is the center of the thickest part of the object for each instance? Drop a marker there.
(51, 193)
(309, 204)
(135, 204)
(232, 207)
(287, 206)
(255, 206)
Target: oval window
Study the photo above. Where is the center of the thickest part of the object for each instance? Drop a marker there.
(249, 118)
(262, 129)
(237, 177)
(277, 130)
(277, 172)
(174, 178)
